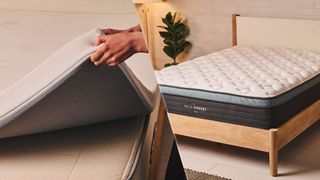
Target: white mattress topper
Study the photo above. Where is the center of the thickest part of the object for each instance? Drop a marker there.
(55, 70)
(245, 71)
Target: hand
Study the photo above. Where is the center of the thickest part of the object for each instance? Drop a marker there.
(109, 31)
(118, 48)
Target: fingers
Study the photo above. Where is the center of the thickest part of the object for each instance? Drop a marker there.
(117, 59)
(100, 40)
(113, 64)
(99, 53)
(111, 60)
(108, 60)
(106, 56)
(115, 49)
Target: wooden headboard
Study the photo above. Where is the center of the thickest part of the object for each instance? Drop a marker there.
(276, 32)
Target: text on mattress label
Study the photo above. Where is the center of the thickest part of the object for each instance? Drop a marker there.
(195, 108)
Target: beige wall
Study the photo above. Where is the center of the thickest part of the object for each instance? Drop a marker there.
(77, 6)
(210, 20)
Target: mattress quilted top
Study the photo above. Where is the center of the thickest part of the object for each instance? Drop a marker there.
(245, 71)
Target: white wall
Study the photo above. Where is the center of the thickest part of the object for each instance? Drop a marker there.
(70, 6)
(33, 28)
(210, 20)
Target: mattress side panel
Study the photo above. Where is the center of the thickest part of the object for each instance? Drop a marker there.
(244, 115)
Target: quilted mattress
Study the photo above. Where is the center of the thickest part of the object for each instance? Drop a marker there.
(253, 86)
(67, 90)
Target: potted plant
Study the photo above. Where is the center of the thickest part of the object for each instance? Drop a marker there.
(174, 34)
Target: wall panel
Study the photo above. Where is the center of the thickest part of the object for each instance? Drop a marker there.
(210, 20)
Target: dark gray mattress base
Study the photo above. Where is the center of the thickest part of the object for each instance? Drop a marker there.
(264, 118)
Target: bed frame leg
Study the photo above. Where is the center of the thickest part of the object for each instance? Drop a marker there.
(273, 152)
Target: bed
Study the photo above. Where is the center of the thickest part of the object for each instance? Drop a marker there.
(259, 94)
(257, 87)
(48, 85)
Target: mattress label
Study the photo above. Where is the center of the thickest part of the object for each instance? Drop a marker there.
(195, 108)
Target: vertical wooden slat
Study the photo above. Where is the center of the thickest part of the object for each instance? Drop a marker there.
(234, 29)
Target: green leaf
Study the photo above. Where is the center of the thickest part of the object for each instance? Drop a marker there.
(181, 42)
(165, 35)
(168, 42)
(169, 17)
(180, 27)
(181, 31)
(185, 44)
(182, 46)
(169, 51)
(167, 22)
(163, 27)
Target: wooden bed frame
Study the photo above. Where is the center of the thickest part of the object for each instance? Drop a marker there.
(272, 140)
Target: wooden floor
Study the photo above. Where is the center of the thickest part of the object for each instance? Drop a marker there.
(298, 160)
